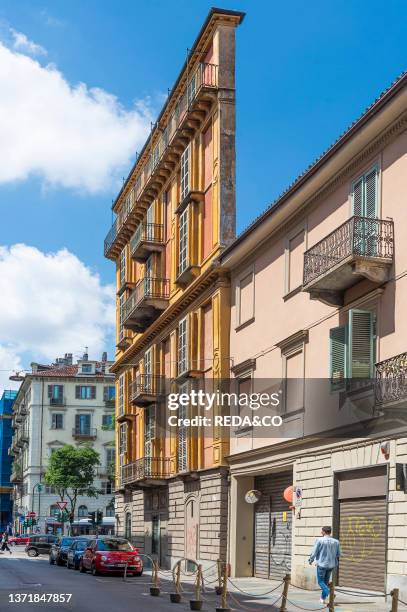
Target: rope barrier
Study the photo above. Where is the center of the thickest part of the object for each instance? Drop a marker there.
(255, 594)
(307, 609)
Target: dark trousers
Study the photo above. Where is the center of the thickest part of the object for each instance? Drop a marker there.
(4, 546)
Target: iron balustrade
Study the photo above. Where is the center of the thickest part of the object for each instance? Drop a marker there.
(146, 467)
(146, 288)
(57, 401)
(205, 76)
(146, 384)
(147, 232)
(358, 236)
(84, 432)
(391, 381)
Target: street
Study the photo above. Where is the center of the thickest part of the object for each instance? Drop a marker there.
(20, 575)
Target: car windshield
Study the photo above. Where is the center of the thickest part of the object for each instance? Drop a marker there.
(82, 544)
(112, 544)
(66, 541)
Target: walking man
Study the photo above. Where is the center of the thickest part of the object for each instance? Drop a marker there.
(326, 555)
(4, 542)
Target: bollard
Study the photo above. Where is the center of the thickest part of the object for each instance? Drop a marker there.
(394, 600)
(155, 589)
(196, 604)
(125, 572)
(218, 588)
(224, 598)
(176, 597)
(331, 604)
(287, 581)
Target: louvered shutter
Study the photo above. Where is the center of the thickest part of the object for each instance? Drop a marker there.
(77, 392)
(93, 392)
(50, 391)
(357, 197)
(361, 341)
(105, 394)
(370, 194)
(338, 337)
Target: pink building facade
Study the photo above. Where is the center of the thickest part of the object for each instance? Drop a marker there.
(318, 299)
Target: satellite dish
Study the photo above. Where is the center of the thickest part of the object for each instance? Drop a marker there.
(252, 496)
(16, 377)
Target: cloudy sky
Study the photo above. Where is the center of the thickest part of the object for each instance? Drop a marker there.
(80, 84)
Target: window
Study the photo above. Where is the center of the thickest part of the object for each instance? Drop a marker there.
(122, 300)
(294, 260)
(182, 439)
(183, 242)
(121, 395)
(122, 442)
(87, 368)
(54, 510)
(365, 194)
(352, 348)
(245, 298)
(182, 346)
(148, 370)
(184, 178)
(107, 421)
(57, 421)
(106, 487)
(109, 510)
(110, 457)
(85, 392)
(127, 526)
(55, 392)
(83, 512)
(123, 267)
(109, 393)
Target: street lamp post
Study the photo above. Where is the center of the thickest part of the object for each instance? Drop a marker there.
(37, 486)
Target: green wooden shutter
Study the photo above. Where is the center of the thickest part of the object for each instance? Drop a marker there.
(77, 392)
(361, 341)
(338, 337)
(50, 391)
(370, 193)
(357, 197)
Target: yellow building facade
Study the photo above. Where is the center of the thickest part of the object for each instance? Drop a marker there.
(174, 215)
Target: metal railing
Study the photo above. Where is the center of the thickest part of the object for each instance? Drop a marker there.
(147, 467)
(146, 288)
(146, 384)
(84, 432)
(146, 232)
(204, 76)
(359, 236)
(391, 379)
(57, 401)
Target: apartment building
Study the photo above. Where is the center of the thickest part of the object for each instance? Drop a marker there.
(318, 293)
(174, 214)
(6, 409)
(57, 404)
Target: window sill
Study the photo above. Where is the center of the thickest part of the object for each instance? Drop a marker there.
(244, 324)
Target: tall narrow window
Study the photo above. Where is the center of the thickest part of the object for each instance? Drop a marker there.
(364, 194)
(182, 346)
(183, 242)
(185, 172)
(123, 267)
(122, 442)
(121, 395)
(148, 370)
(182, 439)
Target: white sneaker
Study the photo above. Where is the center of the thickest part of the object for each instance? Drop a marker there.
(322, 600)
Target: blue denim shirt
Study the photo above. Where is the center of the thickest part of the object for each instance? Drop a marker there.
(326, 552)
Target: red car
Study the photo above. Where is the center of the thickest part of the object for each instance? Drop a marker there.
(19, 540)
(106, 554)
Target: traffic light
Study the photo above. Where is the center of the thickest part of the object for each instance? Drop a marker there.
(92, 517)
(99, 517)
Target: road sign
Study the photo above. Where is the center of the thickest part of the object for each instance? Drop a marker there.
(62, 505)
(31, 515)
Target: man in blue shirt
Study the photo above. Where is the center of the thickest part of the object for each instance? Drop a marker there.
(326, 555)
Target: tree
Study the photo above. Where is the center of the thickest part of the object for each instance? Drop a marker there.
(71, 471)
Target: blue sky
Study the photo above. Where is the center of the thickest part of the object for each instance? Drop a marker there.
(305, 71)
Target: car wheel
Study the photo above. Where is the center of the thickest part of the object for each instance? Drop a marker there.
(32, 552)
(59, 561)
(94, 571)
(82, 568)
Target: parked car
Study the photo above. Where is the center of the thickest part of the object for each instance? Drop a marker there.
(108, 554)
(19, 540)
(75, 552)
(40, 544)
(59, 550)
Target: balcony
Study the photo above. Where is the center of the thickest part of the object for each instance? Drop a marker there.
(146, 389)
(84, 433)
(391, 381)
(190, 110)
(16, 475)
(148, 238)
(148, 471)
(124, 340)
(146, 302)
(361, 248)
(186, 273)
(57, 401)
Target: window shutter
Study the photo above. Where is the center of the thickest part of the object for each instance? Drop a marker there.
(371, 193)
(93, 392)
(338, 357)
(105, 394)
(60, 391)
(49, 391)
(361, 344)
(77, 392)
(357, 197)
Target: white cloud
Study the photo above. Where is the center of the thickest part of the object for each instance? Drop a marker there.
(24, 44)
(69, 135)
(54, 304)
(10, 362)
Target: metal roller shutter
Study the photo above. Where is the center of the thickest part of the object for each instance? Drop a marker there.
(362, 534)
(272, 549)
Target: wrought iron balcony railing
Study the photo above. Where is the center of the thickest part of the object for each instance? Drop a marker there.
(146, 389)
(204, 77)
(147, 238)
(148, 467)
(57, 401)
(391, 380)
(84, 432)
(363, 237)
(149, 293)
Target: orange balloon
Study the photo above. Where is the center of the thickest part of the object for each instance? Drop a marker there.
(288, 494)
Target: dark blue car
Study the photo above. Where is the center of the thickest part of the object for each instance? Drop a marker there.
(75, 552)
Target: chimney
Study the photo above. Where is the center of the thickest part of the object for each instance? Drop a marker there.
(68, 358)
(85, 355)
(104, 357)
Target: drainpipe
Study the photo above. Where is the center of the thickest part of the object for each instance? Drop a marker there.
(41, 440)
